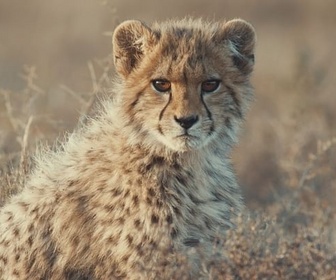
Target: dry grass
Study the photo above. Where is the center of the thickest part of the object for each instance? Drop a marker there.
(287, 157)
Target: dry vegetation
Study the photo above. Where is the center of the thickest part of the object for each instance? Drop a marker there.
(287, 157)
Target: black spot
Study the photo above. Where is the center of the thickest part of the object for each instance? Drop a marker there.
(125, 258)
(74, 274)
(144, 239)
(177, 211)
(159, 203)
(149, 200)
(173, 233)
(30, 241)
(251, 57)
(191, 242)
(75, 241)
(117, 192)
(51, 254)
(176, 166)
(140, 250)
(109, 208)
(169, 219)
(71, 183)
(154, 219)
(151, 192)
(181, 179)
(24, 204)
(126, 193)
(194, 199)
(10, 216)
(4, 260)
(155, 161)
(127, 171)
(111, 239)
(208, 223)
(158, 160)
(129, 239)
(135, 200)
(218, 196)
(127, 211)
(16, 232)
(211, 130)
(121, 221)
(137, 223)
(145, 168)
(152, 243)
(228, 123)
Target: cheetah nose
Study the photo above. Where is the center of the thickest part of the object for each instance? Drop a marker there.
(186, 122)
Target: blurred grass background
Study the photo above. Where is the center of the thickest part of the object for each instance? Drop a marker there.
(51, 53)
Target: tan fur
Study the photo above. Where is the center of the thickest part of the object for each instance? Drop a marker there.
(129, 182)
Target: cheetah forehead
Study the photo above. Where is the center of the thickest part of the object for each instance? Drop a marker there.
(187, 35)
(184, 40)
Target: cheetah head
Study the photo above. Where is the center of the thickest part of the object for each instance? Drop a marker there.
(185, 83)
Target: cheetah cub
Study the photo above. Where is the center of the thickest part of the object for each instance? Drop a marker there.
(152, 168)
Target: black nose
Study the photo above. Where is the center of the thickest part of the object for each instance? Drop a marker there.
(186, 122)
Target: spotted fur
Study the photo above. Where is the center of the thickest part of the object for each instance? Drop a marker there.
(133, 180)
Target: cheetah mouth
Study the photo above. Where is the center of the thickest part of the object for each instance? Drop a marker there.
(186, 136)
(188, 141)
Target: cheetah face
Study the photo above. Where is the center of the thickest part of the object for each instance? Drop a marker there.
(185, 121)
(185, 117)
(185, 84)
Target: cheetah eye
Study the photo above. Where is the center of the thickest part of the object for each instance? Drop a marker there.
(161, 85)
(210, 86)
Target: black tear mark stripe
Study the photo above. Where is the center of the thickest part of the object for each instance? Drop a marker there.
(165, 107)
(206, 108)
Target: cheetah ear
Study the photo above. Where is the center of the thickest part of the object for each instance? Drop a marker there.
(130, 41)
(240, 37)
